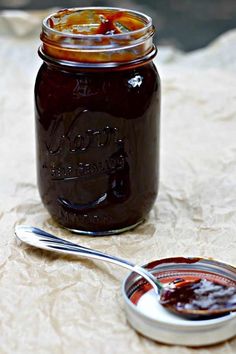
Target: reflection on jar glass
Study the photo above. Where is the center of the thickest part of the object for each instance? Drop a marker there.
(97, 106)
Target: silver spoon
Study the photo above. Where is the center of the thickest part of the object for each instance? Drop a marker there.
(41, 239)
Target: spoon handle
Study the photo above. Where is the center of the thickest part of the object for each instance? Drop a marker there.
(41, 239)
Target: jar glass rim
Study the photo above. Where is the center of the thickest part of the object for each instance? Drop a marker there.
(146, 19)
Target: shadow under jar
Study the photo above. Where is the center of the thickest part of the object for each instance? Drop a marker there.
(97, 106)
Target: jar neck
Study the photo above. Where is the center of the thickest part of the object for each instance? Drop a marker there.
(60, 43)
(96, 66)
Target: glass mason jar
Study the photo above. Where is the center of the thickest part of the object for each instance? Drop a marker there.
(97, 107)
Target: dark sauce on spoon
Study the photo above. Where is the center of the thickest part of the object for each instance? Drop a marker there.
(199, 296)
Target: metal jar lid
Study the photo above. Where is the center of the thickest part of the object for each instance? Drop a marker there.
(148, 317)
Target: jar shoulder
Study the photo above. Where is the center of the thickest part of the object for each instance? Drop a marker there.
(127, 92)
(54, 75)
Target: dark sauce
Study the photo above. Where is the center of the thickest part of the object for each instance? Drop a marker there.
(97, 105)
(200, 294)
(108, 26)
(97, 144)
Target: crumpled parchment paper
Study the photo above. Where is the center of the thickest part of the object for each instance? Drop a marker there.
(57, 304)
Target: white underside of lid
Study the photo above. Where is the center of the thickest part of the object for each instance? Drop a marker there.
(149, 305)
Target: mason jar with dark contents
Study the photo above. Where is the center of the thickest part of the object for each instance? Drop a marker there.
(97, 106)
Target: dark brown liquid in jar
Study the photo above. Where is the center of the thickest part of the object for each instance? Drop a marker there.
(97, 132)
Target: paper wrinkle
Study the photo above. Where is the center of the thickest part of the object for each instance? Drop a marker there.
(61, 304)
